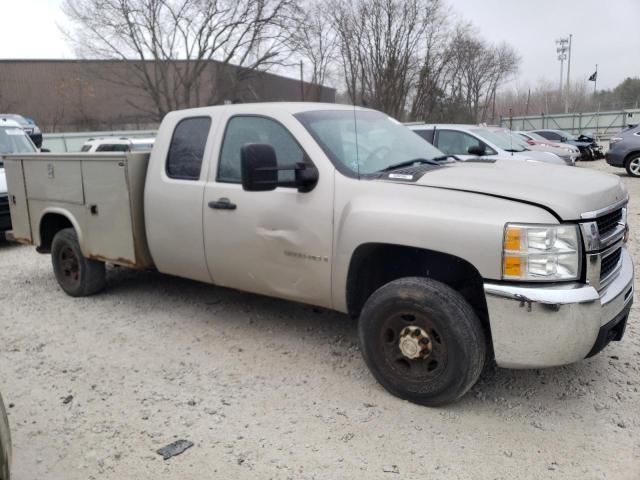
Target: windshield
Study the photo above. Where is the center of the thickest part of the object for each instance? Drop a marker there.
(502, 139)
(14, 140)
(537, 137)
(365, 142)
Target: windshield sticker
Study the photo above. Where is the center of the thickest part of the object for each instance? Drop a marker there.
(14, 131)
(401, 176)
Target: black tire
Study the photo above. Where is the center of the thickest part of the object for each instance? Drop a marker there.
(78, 276)
(456, 341)
(632, 165)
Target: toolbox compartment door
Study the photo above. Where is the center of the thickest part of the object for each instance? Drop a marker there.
(18, 206)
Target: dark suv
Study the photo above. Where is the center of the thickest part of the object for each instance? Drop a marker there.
(624, 151)
(589, 148)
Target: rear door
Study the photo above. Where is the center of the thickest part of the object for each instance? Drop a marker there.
(275, 243)
(173, 195)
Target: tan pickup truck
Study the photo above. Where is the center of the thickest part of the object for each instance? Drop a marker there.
(448, 264)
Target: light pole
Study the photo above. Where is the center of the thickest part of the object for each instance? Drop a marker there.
(562, 49)
(568, 89)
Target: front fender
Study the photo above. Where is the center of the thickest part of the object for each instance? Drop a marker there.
(467, 225)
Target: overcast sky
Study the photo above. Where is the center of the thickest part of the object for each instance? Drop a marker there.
(606, 33)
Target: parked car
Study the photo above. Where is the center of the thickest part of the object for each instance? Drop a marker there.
(624, 151)
(471, 141)
(589, 149)
(5, 444)
(596, 148)
(448, 264)
(13, 139)
(122, 144)
(28, 125)
(569, 153)
(515, 139)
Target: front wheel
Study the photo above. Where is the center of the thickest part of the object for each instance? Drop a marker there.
(422, 341)
(77, 275)
(632, 165)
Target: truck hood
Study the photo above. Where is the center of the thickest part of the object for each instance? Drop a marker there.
(568, 192)
(3, 182)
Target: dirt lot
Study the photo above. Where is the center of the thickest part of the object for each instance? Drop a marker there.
(271, 389)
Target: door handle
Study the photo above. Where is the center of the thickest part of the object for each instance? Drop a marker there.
(222, 204)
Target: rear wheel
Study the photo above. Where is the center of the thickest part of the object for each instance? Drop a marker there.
(632, 165)
(78, 276)
(422, 341)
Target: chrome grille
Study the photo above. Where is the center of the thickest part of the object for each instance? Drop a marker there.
(609, 263)
(603, 232)
(609, 221)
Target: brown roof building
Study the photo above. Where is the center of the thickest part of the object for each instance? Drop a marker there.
(80, 95)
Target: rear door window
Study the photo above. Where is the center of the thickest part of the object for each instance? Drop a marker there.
(186, 151)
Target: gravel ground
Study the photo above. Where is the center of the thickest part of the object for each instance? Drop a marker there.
(271, 389)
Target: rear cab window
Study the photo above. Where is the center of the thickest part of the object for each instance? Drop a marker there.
(186, 151)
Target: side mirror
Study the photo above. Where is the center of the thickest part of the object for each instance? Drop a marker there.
(531, 142)
(259, 170)
(563, 139)
(478, 150)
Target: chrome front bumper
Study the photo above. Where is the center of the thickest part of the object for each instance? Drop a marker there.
(546, 326)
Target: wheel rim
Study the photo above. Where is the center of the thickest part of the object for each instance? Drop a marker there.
(412, 347)
(69, 265)
(634, 166)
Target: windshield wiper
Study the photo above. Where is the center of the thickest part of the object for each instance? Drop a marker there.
(408, 163)
(513, 150)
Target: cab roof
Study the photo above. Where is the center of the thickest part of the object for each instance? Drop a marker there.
(289, 107)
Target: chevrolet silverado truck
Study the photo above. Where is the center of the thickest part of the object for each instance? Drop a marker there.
(447, 264)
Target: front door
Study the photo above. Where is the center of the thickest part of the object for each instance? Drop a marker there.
(275, 243)
(453, 142)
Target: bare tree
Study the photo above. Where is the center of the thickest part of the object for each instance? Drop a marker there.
(314, 40)
(433, 58)
(170, 45)
(378, 41)
(460, 76)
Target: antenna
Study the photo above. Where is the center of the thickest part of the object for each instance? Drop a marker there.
(355, 127)
(511, 140)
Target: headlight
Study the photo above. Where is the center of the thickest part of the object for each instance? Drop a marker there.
(541, 253)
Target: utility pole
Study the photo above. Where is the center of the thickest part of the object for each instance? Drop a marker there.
(301, 83)
(568, 91)
(562, 49)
